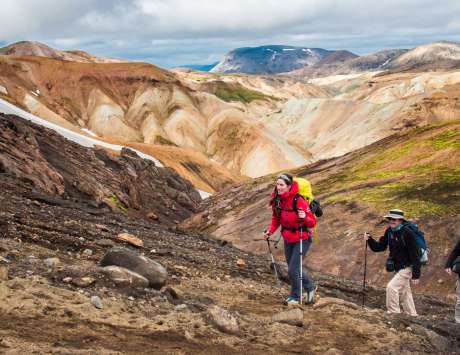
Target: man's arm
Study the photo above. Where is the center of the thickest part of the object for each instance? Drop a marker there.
(414, 253)
(452, 256)
(380, 245)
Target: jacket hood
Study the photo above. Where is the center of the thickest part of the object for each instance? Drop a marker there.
(292, 191)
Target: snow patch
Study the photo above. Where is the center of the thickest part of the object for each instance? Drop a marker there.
(3, 90)
(91, 133)
(204, 195)
(386, 62)
(85, 141)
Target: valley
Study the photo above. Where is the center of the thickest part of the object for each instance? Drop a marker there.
(175, 167)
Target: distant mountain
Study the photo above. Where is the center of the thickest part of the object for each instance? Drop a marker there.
(37, 49)
(200, 67)
(269, 59)
(374, 61)
(434, 56)
(437, 55)
(327, 65)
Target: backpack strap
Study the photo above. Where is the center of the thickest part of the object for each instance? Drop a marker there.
(294, 202)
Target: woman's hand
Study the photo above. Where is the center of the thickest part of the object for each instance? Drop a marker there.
(366, 236)
(302, 214)
(448, 270)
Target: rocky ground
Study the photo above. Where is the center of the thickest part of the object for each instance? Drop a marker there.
(63, 291)
(217, 299)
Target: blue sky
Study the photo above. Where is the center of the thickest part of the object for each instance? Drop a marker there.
(173, 32)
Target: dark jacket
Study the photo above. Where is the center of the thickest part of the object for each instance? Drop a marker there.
(403, 249)
(452, 256)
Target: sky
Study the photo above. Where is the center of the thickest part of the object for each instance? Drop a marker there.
(171, 33)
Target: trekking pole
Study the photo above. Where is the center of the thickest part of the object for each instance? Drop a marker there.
(301, 269)
(275, 268)
(365, 272)
(273, 262)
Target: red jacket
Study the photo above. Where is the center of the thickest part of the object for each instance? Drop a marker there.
(289, 219)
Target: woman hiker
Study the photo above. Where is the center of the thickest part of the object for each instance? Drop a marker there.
(293, 222)
(404, 261)
(455, 253)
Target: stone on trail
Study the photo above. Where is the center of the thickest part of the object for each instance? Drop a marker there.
(223, 320)
(331, 301)
(96, 302)
(3, 273)
(154, 272)
(293, 317)
(240, 263)
(88, 252)
(83, 281)
(51, 262)
(130, 239)
(124, 277)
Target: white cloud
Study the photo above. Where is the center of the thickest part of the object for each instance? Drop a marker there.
(170, 31)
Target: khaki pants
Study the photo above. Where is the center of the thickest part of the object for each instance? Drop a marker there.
(398, 289)
(457, 306)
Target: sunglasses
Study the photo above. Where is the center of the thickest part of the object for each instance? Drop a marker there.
(392, 219)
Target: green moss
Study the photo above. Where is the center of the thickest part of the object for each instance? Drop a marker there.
(447, 139)
(117, 202)
(236, 92)
(417, 197)
(8, 98)
(163, 141)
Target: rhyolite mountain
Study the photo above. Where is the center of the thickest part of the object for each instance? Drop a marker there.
(38, 49)
(271, 59)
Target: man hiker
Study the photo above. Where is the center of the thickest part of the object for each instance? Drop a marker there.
(404, 260)
(449, 265)
(294, 224)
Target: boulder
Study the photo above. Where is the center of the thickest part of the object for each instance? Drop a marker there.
(124, 277)
(223, 320)
(293, 317)
(154, 272)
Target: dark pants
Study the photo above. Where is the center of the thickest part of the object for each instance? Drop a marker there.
(292, 253)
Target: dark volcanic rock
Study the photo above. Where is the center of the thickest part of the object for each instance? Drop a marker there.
(66, 172)
(146, 267)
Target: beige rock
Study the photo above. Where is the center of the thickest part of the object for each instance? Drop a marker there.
(83, 281)
(124, 277)
(51, 262)
(130, 239)
(223, 320)
(152, 216)
(293, 317)
(3, 273)
(240, 263)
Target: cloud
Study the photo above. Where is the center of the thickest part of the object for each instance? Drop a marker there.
(169, 32)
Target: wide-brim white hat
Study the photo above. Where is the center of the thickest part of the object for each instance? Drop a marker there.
(396, 214)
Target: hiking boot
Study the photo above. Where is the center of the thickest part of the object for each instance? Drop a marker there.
(310, 295)
(291, 301)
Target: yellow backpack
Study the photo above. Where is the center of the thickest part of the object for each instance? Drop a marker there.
(305, 189)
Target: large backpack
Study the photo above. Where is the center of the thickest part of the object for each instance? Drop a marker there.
(420, 239)
(306, 192)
